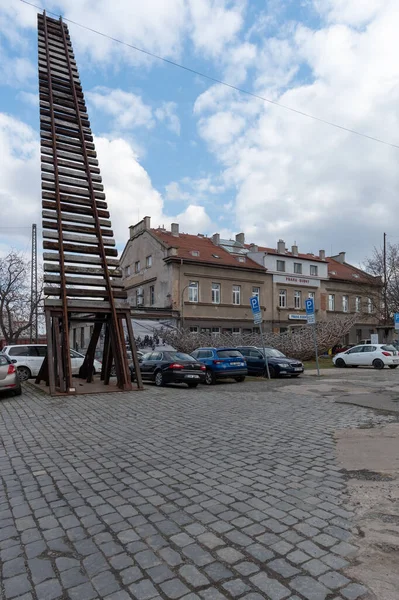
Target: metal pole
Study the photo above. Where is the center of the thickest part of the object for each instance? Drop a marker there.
(315, 348)
(33, 289)
(264, 350)
(385, 280)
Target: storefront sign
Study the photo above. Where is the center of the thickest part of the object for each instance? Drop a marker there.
(297, 317)
(294, 280)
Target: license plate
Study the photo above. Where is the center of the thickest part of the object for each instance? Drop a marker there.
(192, 376)
(395, 360)
(236, 364)
(298, 369)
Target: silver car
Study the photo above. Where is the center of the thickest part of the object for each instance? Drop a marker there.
(9, 381)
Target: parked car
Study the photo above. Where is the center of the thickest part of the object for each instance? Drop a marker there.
(170, 367)
(8, 376)
(221, 363)
(279, 364)
(129, 360)
(28, 359)
(368, 355)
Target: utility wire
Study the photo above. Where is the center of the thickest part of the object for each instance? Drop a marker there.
(215, 80)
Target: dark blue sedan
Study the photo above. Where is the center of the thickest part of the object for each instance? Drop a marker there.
(278, 363)
(221, 363)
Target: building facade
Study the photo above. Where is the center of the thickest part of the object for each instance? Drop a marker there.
(205, 283)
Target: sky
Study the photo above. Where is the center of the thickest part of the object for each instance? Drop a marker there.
(180, 148)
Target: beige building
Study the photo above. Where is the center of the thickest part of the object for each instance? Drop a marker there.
(206, 283)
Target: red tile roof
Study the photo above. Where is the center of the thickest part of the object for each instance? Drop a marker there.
(311, 257)
(347, 272)
(186, 243)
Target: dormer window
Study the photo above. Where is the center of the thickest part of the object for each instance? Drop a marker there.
(194, 253)
(215, 255)
(241, 259)
(355, 275)
(333, 272)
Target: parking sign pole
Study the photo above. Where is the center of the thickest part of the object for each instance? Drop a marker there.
(315, 349)
(264, 350)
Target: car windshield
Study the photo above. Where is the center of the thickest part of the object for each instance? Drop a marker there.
(272, 353)
(229, 354)
(180, 356)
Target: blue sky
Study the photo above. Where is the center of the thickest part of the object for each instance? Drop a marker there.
(176, 146)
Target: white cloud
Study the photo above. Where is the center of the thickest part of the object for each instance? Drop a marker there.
(29, 98)
(167, 114)
(297, 178)
(15, 71)
(127, 110)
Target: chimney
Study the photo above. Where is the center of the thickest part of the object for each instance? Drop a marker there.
(322, 254)
(340, 257)
(253, 248)
(216, 239)
(175, 229)
(294, 250)
(140, 226)
(147, 222)
(240, 238)
(281, 247)
(172, 251)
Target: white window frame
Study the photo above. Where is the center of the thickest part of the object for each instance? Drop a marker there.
(137, 266)
(148, 261)
(236, 330)
(215, 330)
(312, 295)
(358, 303)
(139, 296)
(282, 298)
(345, 303)
(193, 291)
(331, 302)
(256, 292)
(280, 263)
(314, 271)
(236, 295)
(216, 292)
(296, 270)
(369, 305)
(297, 299)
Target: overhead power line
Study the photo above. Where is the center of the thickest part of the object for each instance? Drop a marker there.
(216, 80)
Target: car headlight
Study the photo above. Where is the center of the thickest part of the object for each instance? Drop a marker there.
(282, 365)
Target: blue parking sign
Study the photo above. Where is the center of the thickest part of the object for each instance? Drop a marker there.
(254, 300)
(309, 306)
(396, 319)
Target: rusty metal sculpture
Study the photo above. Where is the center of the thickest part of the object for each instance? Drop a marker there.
(80, 259)
(298, 343)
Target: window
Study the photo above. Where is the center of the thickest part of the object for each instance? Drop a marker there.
(193, 291)
(127, 271)
(41, 350)
(215, 330)
(312, 295)
(139, 296)
(298, 268)
(241, 259)
(345, 303)
(297, 299)
(137, 266)
(148, 261)
(215, 255)
(256, 291)
(369, 305)
(331, 302)
(195, 253)
(194, 329)
(152, 295)
(236, 294)
(282, 299)
(281, 265)
(215, 293)
(358, 302)
(236, 331)
(19, 351)
(313, 270)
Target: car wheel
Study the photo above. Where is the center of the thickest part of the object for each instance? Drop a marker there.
(23, 373)
(340, 363)
(159, 382)
(378, 364)
(240, 379)
(209, 378)
(18, 391)
(393, 366)
(192, 384)
(272, 372)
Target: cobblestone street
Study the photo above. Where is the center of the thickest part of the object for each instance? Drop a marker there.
(231, 491)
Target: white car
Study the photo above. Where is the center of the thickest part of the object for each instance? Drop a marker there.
(28, 359)
(368, 355)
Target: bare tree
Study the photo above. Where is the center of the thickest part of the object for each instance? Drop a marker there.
(16, 311)
(298, 343)
(390, 288)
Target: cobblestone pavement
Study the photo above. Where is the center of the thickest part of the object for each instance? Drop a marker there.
(224, 492)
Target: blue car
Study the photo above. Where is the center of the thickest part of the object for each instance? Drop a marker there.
(221, 363)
